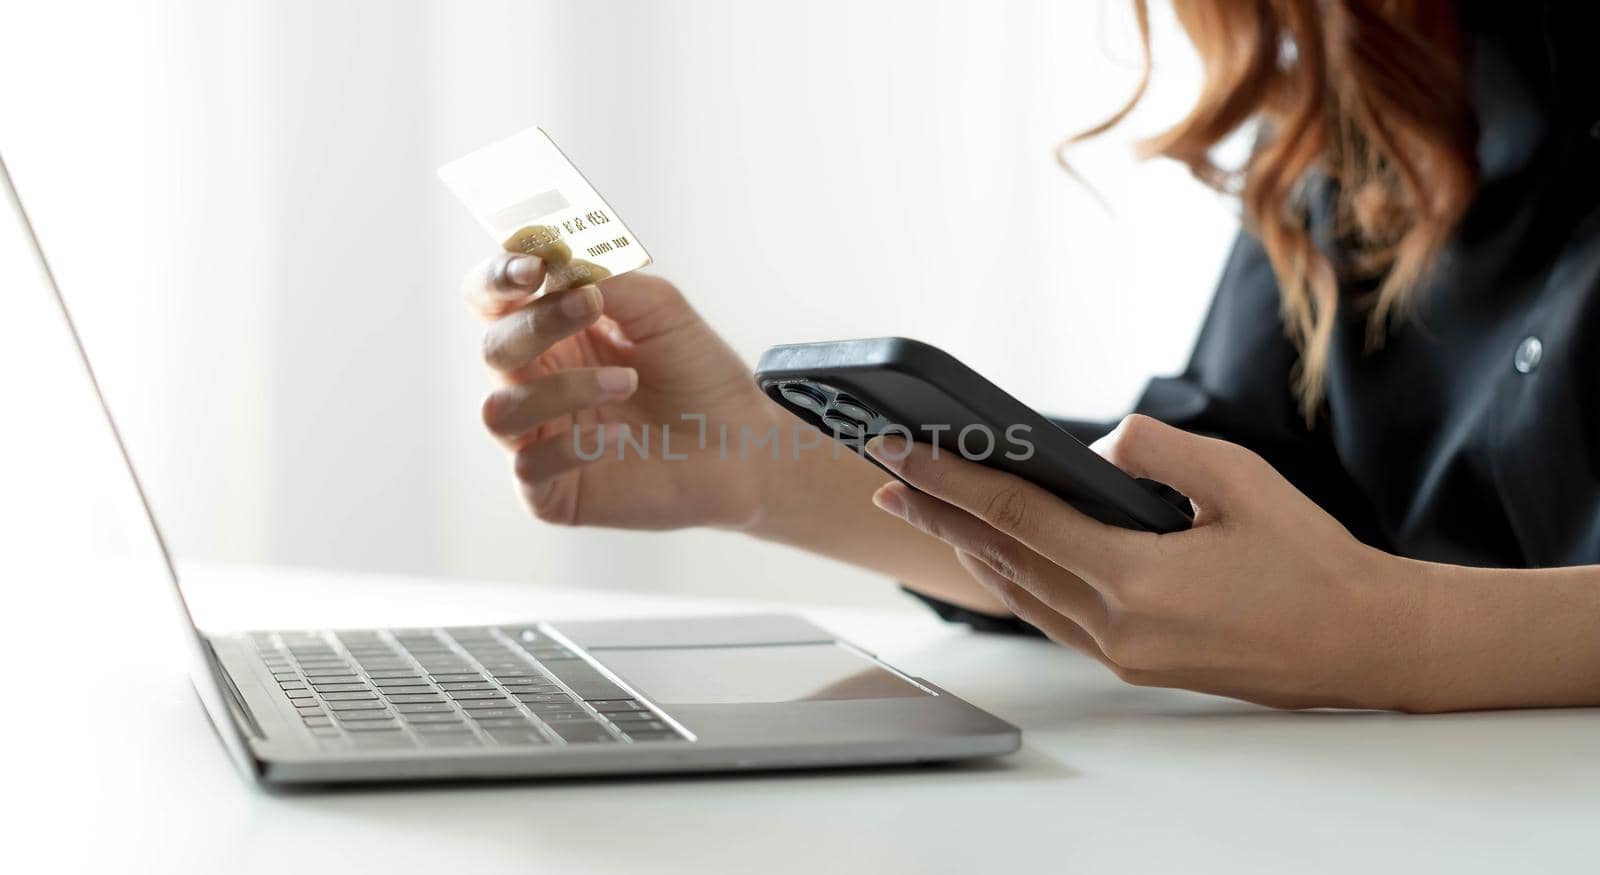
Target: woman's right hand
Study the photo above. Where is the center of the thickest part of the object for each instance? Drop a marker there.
(585, 363)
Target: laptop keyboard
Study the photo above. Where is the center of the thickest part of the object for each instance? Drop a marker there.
(464, 687)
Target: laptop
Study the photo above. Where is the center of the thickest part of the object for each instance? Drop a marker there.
(554, 698)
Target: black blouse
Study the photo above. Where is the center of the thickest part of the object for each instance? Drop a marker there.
(1472, 436)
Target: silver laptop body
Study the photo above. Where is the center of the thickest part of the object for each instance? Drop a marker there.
(551, 699)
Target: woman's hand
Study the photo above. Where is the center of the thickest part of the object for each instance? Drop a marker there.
(1266, 598)
(589, 362)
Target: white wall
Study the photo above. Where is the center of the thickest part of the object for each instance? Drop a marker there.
(241, 200)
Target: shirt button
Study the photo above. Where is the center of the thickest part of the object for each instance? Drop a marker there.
(1529, 352)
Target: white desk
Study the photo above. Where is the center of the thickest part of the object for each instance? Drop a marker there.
(1111, 778)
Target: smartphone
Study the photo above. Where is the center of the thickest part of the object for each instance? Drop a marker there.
(854, 390)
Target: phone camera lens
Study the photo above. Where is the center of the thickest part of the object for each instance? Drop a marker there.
(842, 424)
(852, 408)
(801, 395)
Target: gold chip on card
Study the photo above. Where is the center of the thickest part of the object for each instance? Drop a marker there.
(530, 199)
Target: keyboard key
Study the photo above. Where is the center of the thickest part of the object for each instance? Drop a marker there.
(457, 678)
(630, 716)
(427, 694)
(299, 694)
(449, 739)
(318, 721)
(343, 671)
(542, 708)
(320, 682)
(585, 680)
(408, 691)
(350, 697)
(364, 716)
(306, 703)
(435, 728)
(285, 676)
(467, 686)
(497, 702)
(407, 681)
(516, 737)
(490, 713)
(426, 708)
(341, 688)
(618, 705)
(498, 668)
(369, 705)
(566, 717)
(504, 723)
(475, 694)
(582, 733)
(544, 698)
(393, 673)
(411, 699)
(431, 718)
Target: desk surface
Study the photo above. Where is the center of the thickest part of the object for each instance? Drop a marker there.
(127, 776)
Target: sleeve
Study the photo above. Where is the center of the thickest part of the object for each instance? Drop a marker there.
(1236, 387)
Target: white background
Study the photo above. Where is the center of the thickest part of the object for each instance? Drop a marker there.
(241, 202)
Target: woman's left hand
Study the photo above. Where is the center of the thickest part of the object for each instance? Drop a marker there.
(1267, 598)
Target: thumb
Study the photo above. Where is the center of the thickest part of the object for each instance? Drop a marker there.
(1206, 470)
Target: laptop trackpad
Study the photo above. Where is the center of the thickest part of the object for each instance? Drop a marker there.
(752, 674)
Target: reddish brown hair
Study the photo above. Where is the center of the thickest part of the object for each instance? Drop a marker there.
(1370, 94)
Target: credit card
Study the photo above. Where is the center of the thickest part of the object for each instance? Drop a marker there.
(531, 199)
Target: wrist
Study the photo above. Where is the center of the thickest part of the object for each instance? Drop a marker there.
(1396, 659)
(1484, 638)
(796, 481)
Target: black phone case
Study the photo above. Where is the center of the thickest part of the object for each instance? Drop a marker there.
(855, 389)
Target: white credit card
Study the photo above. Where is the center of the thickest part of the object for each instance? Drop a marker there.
(531, 199)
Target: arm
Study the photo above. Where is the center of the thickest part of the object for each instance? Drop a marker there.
(1496, 637)
(1267, 598)
(576, 367)
(824, 504)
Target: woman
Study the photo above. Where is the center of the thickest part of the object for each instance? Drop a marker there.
(1390, 427)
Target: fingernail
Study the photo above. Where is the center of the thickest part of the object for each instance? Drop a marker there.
(890, 498)
(890, 449)
(523, 270)
(579, 303)
(617, 381)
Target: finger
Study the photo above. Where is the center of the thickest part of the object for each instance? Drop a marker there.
(512, 411)
(1204, 469)
(1055, 625)
(1048, 525)
(645, 306)
(1058, 588)
(513, 341)
(542, 461)
(501, 283)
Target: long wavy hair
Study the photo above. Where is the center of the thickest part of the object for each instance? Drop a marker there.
(1370, 95)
